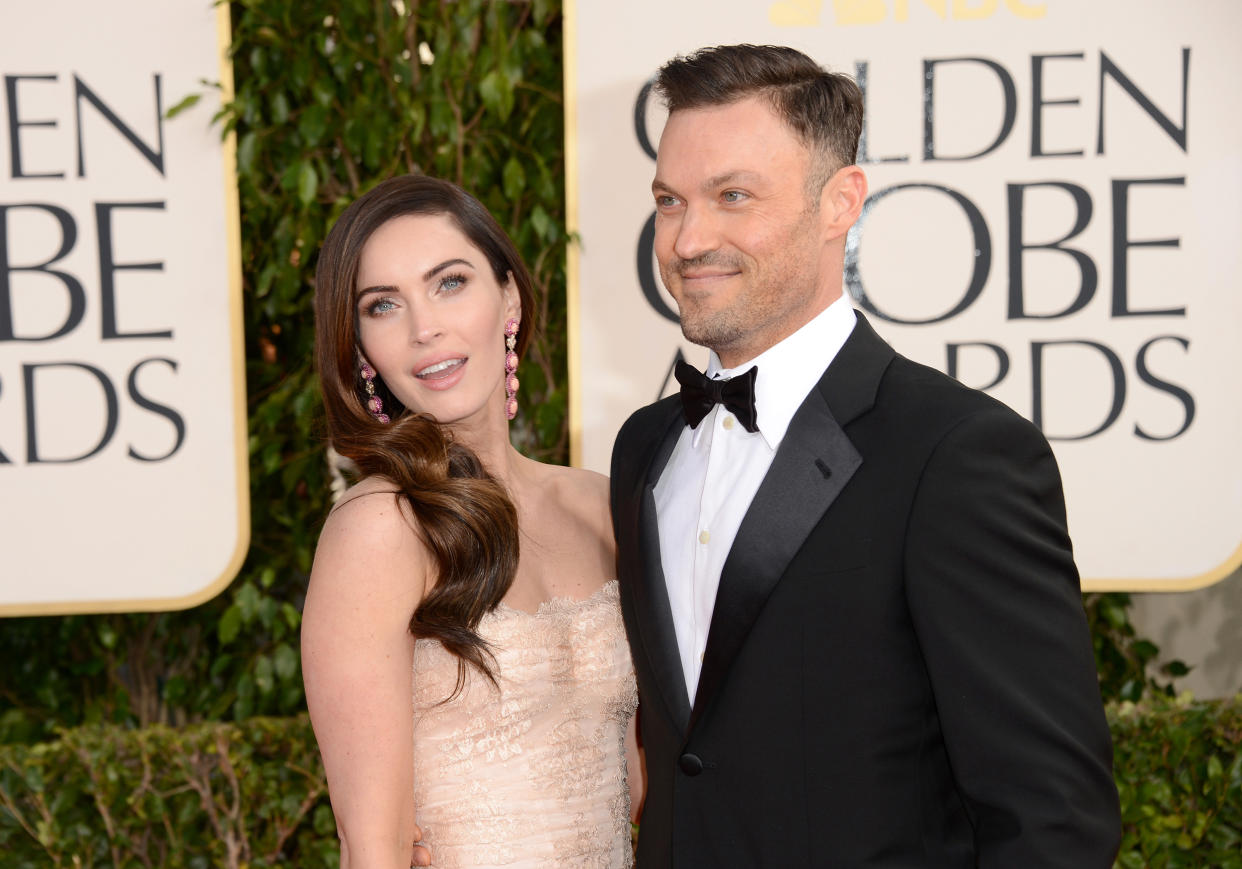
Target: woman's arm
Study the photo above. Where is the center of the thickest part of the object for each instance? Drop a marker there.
(370, 573)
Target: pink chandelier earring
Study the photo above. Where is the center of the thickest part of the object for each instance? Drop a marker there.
(375, 404)
(511, 364)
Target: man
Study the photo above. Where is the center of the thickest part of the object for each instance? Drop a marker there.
(850, 594)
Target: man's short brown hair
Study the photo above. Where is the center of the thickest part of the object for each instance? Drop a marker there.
(824, 109)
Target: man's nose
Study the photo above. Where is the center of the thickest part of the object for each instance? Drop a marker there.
(697, 233)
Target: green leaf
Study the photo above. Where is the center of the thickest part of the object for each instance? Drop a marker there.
(1114, 614)
(280, 108)
(324, 95)
(230, 625)
(107, 635)
(263, 676)
(221, 665)
(441, 121)
(541, 222)
(417, 118)
(244, 705)
(247, 600)
(286, 661)
(308, 183)
(185, 103)
(313, 124)
(246, 147)
(268, 609)
(514, 178)
(175, 690)
(496, 91)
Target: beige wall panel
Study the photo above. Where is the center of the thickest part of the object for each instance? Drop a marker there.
(122, 427)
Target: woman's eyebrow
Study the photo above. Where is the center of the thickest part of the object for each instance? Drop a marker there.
(428, 275)
(435, 270)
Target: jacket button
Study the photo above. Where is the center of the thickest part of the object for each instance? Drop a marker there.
(690, 764)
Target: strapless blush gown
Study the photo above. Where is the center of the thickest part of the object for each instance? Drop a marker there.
(532, 775)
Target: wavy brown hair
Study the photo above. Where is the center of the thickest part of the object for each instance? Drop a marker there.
(463, 515)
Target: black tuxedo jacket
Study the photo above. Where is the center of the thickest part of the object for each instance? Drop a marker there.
(898, 669)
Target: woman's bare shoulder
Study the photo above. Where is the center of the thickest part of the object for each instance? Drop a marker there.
(372, 506)
(370, 541)
(363, 489)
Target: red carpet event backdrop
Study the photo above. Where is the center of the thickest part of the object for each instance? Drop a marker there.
(1054, 212)
(122, 414)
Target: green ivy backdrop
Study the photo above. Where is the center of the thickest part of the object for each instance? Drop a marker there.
(332, 97)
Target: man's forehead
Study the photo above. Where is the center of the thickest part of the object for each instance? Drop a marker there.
(715, 156)
(716, 181)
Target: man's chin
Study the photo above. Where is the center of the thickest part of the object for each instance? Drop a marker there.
(704, 335)
(696, 339)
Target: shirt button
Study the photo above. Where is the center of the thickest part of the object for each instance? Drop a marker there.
(704, 537)
(728, 423)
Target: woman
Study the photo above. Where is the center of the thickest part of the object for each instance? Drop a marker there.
(466, 667)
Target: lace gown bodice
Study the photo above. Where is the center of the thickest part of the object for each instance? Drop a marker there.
(532, 775)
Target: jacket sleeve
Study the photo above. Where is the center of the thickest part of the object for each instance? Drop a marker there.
(994, 595)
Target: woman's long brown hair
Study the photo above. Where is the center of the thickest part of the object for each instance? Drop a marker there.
(464, 516)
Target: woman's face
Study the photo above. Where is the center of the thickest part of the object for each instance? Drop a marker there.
(431, 318)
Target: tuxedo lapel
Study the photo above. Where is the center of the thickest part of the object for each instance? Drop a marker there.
(812, 465)
(655, 616)
(814, 462)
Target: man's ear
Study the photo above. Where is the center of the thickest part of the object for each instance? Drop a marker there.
(842, 200)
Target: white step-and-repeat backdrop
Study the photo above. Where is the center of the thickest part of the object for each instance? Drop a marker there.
(122, 409)
(1054, 217)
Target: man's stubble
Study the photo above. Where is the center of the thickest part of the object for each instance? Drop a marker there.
(765, 310)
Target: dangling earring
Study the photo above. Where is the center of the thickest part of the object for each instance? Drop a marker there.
(375, 404)
(511, 363)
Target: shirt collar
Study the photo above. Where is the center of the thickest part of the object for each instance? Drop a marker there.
(790, 369)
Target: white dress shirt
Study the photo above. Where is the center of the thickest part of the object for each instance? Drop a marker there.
(716, 468)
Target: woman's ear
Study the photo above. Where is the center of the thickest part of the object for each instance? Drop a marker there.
(512, 299)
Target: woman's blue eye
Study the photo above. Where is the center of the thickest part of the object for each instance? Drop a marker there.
(452, 283)
(380, 306)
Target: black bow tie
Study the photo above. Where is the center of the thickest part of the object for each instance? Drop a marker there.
(699, 395)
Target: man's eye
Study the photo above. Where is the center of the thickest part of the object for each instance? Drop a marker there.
(666, 201)
(733, 196)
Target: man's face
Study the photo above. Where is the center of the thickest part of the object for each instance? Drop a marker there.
(741, 245)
